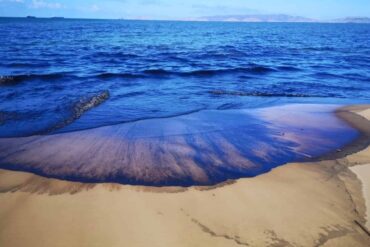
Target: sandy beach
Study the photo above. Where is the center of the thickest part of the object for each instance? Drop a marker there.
(317, 203)
(361, 167)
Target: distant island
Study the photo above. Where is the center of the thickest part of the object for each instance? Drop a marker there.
(279, 18)
(54, 17)
(353, 20)
(257, 18)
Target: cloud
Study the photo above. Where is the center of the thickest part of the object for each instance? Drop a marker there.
(40, 4)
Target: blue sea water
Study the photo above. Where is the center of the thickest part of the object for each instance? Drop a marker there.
(67, 75)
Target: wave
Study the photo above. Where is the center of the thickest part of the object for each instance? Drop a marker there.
(79, 108)
(326, 75)
(118, 75)
(257, 69)
(27, 65)
(261, 94)
(16, 79)
(133, 94)
(249, 70)
(193, 73)
(288, 68)
(227, 106)
(331, 88)
(346, 76)
(110, 54)
(317, 49)
(158, 72)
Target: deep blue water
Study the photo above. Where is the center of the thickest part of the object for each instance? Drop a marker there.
(63, 75)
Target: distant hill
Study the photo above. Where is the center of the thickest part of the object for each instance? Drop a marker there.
(353, 20)
(257, 18)
(279, 18)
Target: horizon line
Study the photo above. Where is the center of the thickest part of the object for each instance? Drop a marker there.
(199, 19)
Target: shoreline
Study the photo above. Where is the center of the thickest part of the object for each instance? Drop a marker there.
(313, 203)
(203, 149)
(348, 114)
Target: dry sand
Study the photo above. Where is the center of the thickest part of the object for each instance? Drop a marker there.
(311, 204)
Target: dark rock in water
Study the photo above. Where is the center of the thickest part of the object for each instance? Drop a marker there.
(15, 79)
(68, 113)
(87, 103)
(8, 80)
(82, 106)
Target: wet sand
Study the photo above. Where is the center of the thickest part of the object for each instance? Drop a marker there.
(202, 148)
(307, 204)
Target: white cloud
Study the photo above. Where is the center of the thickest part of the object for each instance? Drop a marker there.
(39, 4)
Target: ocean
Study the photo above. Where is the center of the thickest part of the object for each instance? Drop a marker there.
(66, 75)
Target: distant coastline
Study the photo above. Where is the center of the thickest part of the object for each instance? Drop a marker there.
(34, 17)
(278, 18)
(281, 18)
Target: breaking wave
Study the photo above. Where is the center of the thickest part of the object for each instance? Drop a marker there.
(194, 73)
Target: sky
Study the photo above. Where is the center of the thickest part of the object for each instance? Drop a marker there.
(183, 9)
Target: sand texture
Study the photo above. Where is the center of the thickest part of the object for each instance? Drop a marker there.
(318, 203)
(363, 173)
